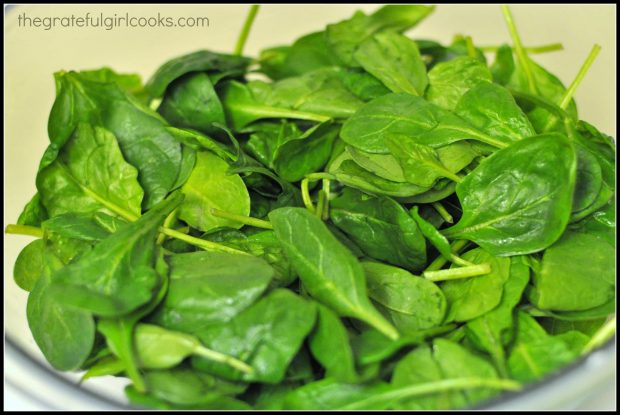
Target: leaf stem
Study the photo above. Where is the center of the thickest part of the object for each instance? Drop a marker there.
(471, 49)
(551, 47)
(167, 222)
(603, 334)
(432, 388)
(24, 230)
(326, 189)
(222, 358)
(457, 273)
(320, 204)
(245, 30)
(568, 94)
(443, 212)
(521, 53)
(305, 195)
(200, 243)
(440, 261)
(246, 220)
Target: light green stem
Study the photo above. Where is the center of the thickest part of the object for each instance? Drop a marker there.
(433, 388)
(443, 212)
(460, 261)
(201, 243)
(245, 30)
(327, 190)
(305, 195)
(440, 261)
(167, 222)
(320, 204)
(568, 94)
(457, 273)
(222, 358)
(552, 47)
(24, 230)
(246, 220)
(521, 54)
(471, 50)
(602, 335)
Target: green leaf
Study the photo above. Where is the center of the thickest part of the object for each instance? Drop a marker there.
(503, 218)
(381, 227)
(117, 276)
(211, 187)
(408, 115)
(29, 265)
(210, 287)
(411, 303)
(90, 175)
(536, 354)
(492, 109)
(330, 346)
(576, 273)
(192, 102)
(328, 270)
(64, 334)
(141, 133)
(449, 81)
(199, 61)
(472, 297)
(395, 60)
(492, 331)
(266, 336)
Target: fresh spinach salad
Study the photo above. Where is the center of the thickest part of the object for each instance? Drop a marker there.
(357, 220)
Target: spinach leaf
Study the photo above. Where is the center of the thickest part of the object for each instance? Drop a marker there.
(408, 115)
(64, 334)
(472, 297)
(192, 102)
(267, 336)
(29, 265)
(492, 109)
(199, 61)
(90, 175)
(493, 330)
(411, 303)
(576, 273)
(446, 360)
(380, 227)
(328, 270)
(141, 133)
(385, 166)
(344, 37)
(449, 81)
(518, 200)
(34, 212)
(395, 60)
(207, 288)
(535, 353)
(211, 187)
(117, 276)
(329, 344)
(362, 84)
(423, 165)
(306, 153)
(329, 394)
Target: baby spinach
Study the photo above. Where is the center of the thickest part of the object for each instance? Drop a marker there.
(210, 287)
(380, 227)
(330, 273)
(411, 303)
(211, 187)
(117, 276)
(395, 60)
(503, 218)
(240, 232)
(576, 273)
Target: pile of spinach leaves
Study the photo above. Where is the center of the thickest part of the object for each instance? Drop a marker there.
(379, 223)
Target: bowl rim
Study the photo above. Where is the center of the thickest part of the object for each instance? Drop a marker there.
(34, 367)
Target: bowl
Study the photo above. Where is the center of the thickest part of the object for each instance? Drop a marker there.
(34, 53)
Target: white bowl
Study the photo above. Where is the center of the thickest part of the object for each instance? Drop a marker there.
(33, 54)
